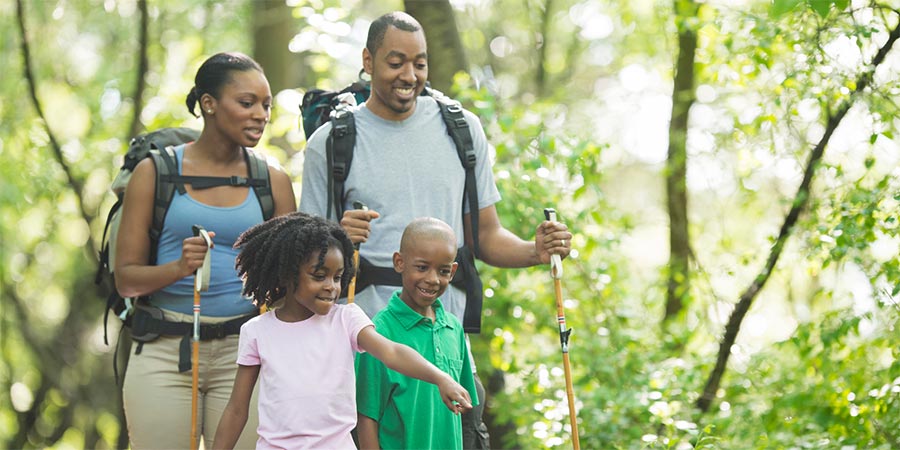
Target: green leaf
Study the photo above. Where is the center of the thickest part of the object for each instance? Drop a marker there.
(780, 7)
(821, 7)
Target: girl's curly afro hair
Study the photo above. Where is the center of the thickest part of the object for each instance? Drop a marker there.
(272, 252)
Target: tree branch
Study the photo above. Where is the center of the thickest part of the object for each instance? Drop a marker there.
(800, 201)
(75, 183)
(27, 419)
(143, 66)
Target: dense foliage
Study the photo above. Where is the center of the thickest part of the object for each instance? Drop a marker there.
(575, 96)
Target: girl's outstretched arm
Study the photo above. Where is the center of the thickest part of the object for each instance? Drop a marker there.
(409, 362)
(235, 415)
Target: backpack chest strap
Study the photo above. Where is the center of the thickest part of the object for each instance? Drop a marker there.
(202, 182)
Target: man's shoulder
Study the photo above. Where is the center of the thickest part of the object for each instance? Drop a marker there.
(432, 102)
(318, 138)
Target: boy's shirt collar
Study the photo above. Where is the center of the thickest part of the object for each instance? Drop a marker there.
(408, 318)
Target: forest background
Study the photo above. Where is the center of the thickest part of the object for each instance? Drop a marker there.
(729, 169)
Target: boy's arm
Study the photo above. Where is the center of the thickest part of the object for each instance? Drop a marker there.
(409, 362)
(367, 429)
(235, 415)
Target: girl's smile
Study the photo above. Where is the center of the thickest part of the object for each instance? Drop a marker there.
(318, 287)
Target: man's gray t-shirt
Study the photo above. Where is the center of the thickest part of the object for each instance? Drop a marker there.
(404, 170)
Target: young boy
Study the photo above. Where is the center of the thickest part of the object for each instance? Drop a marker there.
(395, 411)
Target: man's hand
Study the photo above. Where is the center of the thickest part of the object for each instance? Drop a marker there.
(552, 238)
(356, 223)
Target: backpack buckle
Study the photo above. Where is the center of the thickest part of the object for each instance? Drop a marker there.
(341, 130)
(470, 158)
(237, 181)
(339, 171)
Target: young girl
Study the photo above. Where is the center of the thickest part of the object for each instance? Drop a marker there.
(303, 350)
(234, 99)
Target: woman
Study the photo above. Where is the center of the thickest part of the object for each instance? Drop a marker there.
(235, 101)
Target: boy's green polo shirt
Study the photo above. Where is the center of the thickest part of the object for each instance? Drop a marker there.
(409, 412)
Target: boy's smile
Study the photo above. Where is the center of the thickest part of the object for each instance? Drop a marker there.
(426, 267)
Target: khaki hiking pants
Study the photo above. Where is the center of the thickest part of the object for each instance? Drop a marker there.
(157, 397)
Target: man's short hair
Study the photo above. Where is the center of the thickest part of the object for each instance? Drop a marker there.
(396, 19)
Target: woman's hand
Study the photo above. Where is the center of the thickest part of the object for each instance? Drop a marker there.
(193, 252)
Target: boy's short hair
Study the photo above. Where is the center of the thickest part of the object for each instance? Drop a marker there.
(426, 227)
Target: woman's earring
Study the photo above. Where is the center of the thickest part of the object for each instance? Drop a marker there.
(209, 111)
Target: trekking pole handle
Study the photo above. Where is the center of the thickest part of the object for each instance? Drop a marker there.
(556, 269)
(359, 205)
(201, 280)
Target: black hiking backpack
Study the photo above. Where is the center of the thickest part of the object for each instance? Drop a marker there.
(159, 145)
(321, 106)
(318, 104)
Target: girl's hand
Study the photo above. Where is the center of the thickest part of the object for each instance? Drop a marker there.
(193, 250)
(455, 397)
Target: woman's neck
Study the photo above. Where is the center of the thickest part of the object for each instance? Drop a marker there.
(216, 149)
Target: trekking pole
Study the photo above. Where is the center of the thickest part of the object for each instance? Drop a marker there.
(556, 273)
(351, 288)
(201, 283)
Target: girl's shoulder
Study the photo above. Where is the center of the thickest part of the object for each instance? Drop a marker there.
(260, 320)
(348, 309)
(351, 316)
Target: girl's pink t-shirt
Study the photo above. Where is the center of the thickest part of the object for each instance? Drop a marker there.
(307, 382)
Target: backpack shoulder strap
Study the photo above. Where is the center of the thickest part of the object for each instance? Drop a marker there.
(166, 166)
(258, 169)
(339, 155)
(458, 129)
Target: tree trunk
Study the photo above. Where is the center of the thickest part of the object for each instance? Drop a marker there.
(540, 70)
(678, 285)
(273, 28)
(446, 55)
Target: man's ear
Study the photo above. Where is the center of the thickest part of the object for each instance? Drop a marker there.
(367, 61)
(398, 262)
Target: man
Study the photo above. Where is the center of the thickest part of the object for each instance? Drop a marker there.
(405, 166)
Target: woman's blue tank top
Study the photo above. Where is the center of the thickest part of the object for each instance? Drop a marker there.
(224, 295)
